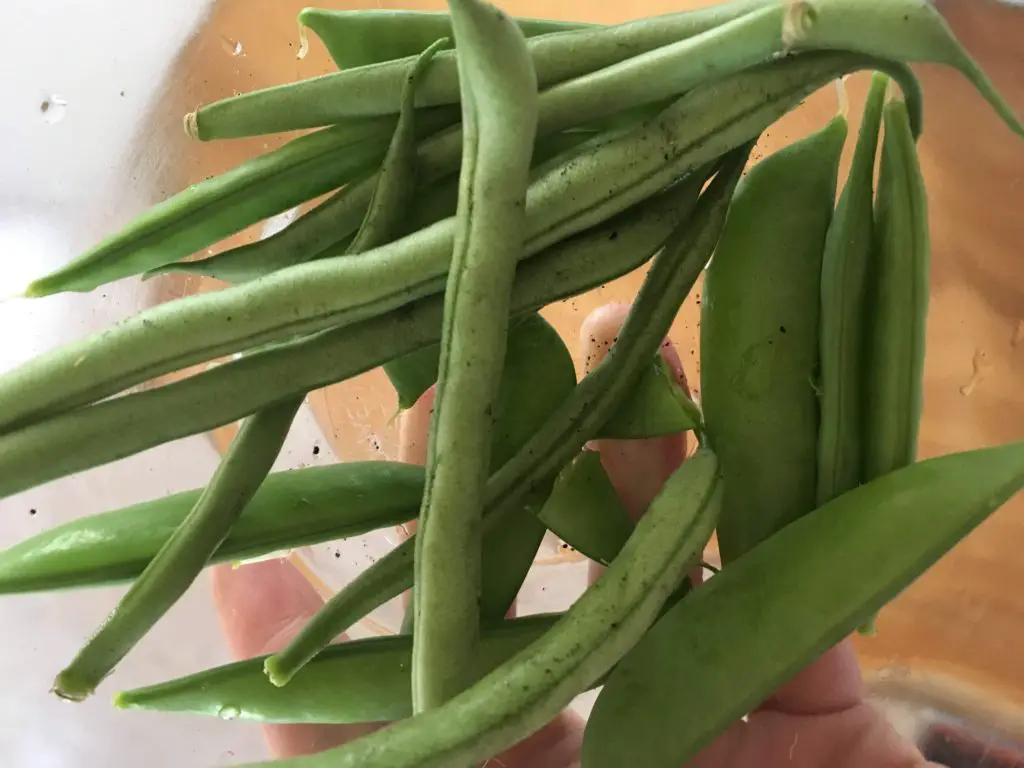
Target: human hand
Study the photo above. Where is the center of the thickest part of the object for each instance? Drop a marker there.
(820, 718)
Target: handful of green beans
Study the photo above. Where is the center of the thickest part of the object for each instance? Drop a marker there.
(481, 168)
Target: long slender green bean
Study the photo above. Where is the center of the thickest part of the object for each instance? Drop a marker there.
(718, 653)
(353, 682)
(122, 426)
(376, 89)
(897, 304)
(358, 38)
(843, 292)
(760, 319)
(184, 554)
(904, 30)
(575, 422)
(218, 207)
(584, 510)
(524, 693)
(332, 292)
(499, 117)
(291, 509)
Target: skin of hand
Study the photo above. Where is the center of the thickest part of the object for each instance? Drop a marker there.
(819, 719)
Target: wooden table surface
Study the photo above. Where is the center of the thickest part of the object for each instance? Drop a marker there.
(959, 631)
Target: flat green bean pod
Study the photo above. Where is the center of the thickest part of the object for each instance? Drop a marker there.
(584, 510)
(291, 509)
(760, 319)
(524, 693)
(629, 168)
(658, 406)
(353, 682)
(185, 553)
(213, 209)
(376, 89)
(578, 418)
(843, 291)
(126, 425)
(357, 38)
(718, 653)
(499, 117)
(897, 304)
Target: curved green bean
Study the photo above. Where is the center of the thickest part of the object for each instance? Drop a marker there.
(759, 339)
(578, 418)
(213, 209)
(614, 176)
(719, 652)
(184, 555)
(352, 682)
(524, 693)
(897, 304)
(843, 293)
(290, 509)
(376, 89)
(499, 117)
(370, 36)
(126, 425)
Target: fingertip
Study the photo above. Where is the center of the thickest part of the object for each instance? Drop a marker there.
(262, 605)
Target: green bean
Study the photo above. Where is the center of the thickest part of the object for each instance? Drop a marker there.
(218, 207)
(658, 406)
(903, 30)
(499, 117)
(182, 557)
(376, 89)
(897, 304)
(327, 230)
(843, 285)
(357, 38)
(719, 652)
(524, 693)
(575, 422)
(333, 292)
(352, 682)
(126, 425)
(584, 510)
(759, 339)
(291, 509)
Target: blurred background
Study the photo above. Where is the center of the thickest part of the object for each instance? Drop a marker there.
(93, 95)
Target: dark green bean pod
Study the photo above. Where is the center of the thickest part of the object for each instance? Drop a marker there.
(843, 292)
(718, 653)
(578, 418)
(358, 38)
(185, 553)
(291, 509)
(627, 169)
(126, 425)
(219, 207)
(760, 318)
(584, 510)
(897, 304)
(354, 682)
(657, 406)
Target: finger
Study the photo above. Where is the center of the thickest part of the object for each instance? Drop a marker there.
(831, 683)
(261, 607)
